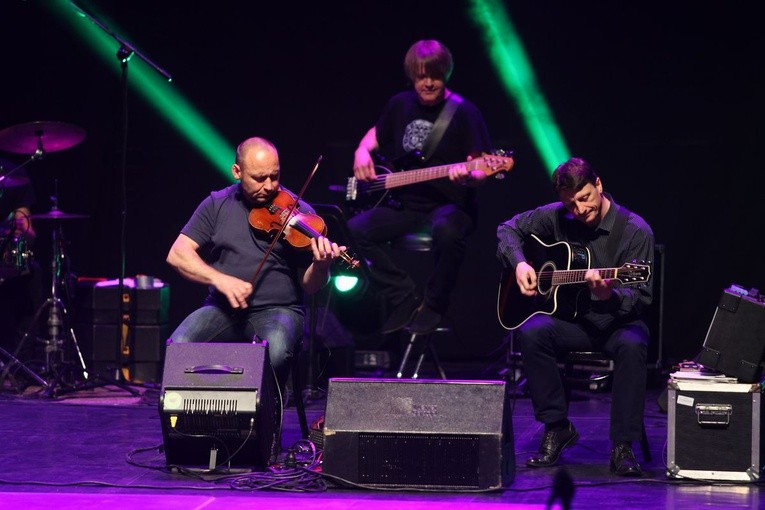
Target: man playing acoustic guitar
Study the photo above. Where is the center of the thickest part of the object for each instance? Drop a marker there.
(607, 315)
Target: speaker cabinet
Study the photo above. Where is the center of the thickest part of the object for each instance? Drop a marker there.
(142, 356)
(735, 341)
(218, 406)
(98, 342)
(426, 434)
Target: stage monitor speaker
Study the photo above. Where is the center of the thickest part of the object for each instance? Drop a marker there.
(735, 341)
(219, 406)
(423, 434)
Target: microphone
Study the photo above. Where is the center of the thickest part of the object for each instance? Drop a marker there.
(563, 489)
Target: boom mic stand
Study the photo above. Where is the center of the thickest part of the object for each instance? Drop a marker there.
(125, 52)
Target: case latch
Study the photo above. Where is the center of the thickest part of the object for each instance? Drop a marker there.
(717, 415)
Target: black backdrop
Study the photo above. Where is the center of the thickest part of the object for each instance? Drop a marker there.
(665, 100)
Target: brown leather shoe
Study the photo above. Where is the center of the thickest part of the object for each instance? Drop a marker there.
(553, 444)
(623, 462)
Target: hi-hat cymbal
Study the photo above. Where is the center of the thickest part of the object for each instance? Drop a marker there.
(56, 214)
(48, 136)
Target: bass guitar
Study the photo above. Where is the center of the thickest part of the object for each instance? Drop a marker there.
(561, 266)
(373, 193)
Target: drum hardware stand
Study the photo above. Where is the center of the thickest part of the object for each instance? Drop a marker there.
(10, 361)
(57, 322)
(56, 381)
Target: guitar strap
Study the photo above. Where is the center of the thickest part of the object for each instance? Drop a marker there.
(439, 128)
(616, 233)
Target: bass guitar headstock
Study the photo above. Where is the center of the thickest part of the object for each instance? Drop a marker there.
(496, 163)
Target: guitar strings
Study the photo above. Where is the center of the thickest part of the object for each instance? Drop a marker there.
(380, 181)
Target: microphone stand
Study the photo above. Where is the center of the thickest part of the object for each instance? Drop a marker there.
(125, 52)
(38, 154)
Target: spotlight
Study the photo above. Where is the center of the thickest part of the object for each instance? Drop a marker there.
(345, 283)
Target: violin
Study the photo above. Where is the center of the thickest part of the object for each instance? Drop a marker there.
(300, 229)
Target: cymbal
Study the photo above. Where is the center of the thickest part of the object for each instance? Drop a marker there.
(56, 214)
(49, 136)
(11, 181)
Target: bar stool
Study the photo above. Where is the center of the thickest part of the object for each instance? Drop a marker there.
(419, 242)
(426, 347)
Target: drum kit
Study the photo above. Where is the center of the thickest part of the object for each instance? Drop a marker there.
(36, 139)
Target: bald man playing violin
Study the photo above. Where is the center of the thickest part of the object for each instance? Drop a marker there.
(255, 286)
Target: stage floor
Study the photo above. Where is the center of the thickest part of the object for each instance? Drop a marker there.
(72, 452)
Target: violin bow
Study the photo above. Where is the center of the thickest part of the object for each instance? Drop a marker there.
(286, 221)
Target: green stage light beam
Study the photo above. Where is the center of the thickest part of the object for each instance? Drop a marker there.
(517, 75)
(157, 91)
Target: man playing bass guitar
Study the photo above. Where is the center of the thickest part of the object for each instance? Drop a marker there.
(610, 320)
(444, 207)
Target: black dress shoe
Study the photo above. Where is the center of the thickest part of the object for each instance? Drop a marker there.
(553, 444)
(425, 321)
(623, 461)
(401, 315)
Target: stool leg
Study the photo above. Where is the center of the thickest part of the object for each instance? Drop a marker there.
(644, 446)
(436, 361)
(405, 357)
(297, 389)
(420, 358)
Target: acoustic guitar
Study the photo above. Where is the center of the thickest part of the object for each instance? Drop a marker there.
(560, 279)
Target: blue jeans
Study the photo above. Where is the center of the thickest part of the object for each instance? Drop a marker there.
(281, 327)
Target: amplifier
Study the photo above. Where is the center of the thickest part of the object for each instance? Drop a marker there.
(219, 406)
(425, 434)
(735, 341)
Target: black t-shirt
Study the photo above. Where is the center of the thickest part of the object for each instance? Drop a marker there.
(403, 127)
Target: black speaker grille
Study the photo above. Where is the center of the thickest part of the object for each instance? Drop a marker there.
(210, 405)
(221, 426)
(419, 460)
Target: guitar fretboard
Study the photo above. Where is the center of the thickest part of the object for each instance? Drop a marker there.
(397, 179)
(577, 275)
(625, 274)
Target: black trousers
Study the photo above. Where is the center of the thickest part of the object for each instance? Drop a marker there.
(543, 338)
(449, 227)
